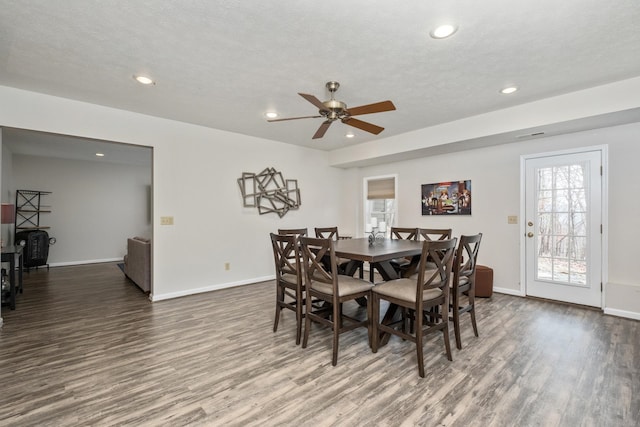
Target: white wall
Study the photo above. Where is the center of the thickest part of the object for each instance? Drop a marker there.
(495, 175)
(95, 205)
(195, 172)
(194, 180)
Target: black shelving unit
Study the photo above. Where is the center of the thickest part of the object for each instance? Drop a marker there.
(28, 228)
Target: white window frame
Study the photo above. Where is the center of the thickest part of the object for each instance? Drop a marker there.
(365, 201)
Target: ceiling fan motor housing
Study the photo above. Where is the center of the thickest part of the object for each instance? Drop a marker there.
(334, 109)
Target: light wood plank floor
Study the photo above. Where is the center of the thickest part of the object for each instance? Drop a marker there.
(86, 347)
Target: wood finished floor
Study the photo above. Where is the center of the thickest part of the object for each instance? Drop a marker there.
(86, 347)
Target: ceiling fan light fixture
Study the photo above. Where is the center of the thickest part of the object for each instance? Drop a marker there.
(350, 135)
(271, 114)
(99, 154)
(144, 80)
(508, 90)
(443, 31)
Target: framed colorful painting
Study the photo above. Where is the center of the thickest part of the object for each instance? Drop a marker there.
(447, 198)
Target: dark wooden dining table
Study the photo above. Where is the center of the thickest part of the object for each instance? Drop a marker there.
(378, 255)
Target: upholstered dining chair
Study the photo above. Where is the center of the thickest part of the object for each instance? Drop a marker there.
(463, 285)
(289, 283)
(345, 266)
(429, 292)
(327, 285)
(401, 264)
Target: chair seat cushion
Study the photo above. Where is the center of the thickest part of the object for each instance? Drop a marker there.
(463, 284)
(405, 290)
(347, 285)
(427, 273)
(289, 278)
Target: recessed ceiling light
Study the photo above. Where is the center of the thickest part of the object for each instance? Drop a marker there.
(144, 80)
(508, 90)
(271, 114)
(99, 154)
(443, 31)
(350, 135)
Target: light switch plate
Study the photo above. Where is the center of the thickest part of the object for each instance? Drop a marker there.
(166, 220)
(512, 219)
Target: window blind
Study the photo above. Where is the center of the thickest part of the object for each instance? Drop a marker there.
(381, 189)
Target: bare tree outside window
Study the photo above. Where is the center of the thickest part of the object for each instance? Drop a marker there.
(562, 224)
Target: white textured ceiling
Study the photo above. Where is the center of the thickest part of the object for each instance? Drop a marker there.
(222, 64)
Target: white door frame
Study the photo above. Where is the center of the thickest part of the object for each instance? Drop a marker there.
(604, 150)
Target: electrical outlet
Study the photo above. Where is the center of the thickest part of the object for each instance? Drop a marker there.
(166, 220)
(227, 266)
(512, 219)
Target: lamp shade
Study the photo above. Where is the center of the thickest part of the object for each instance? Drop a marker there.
(8, 214)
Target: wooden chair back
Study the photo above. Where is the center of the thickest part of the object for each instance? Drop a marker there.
(327, 233)
(434, 271)
(285, 255)
(294, 231)
(464, 271)
(315, 252)
(404, 233)
(435, 233)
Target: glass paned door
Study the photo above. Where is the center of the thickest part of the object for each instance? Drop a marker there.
(562, 232)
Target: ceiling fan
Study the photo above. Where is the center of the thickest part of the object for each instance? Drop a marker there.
(333, 110)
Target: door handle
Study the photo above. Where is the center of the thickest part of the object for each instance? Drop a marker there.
(530, 234)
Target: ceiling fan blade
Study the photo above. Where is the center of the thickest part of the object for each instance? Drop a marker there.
(322, 130)
(293, 118)
(315, 101)
(378, 107)
(371, 128)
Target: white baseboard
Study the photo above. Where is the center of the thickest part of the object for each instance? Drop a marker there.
(171, 295)
(89, 261)
(515, 292)
(622, 313)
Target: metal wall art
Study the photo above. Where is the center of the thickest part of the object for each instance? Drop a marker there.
(269, 192)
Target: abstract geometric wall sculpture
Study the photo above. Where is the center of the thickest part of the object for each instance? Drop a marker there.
(269, 192)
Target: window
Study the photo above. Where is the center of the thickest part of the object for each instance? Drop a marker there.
(380, 200)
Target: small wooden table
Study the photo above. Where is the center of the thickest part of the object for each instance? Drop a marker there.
(9, 254)
(378, 255)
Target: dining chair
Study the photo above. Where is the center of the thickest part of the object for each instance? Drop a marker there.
(429, 292)
(345, 266)
(327, 285)
(402, 233)
(463, 285)
(289, 283)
